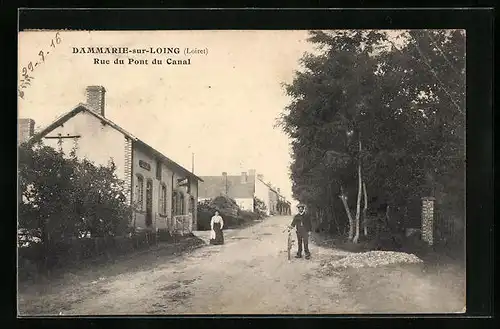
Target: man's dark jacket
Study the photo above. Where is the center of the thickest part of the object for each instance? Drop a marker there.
(302, 220)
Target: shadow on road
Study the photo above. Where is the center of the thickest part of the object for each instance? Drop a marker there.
(143, 260)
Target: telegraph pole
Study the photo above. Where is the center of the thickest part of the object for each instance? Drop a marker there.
(192, 162)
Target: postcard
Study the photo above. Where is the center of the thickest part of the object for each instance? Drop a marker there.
(241, 172)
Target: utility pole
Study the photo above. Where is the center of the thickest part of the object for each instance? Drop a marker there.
(192, 162)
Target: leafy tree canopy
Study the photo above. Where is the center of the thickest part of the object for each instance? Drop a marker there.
(402, 95)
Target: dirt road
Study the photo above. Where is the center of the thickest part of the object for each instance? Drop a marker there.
(249, 274)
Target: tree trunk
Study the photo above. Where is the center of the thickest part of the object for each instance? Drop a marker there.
(337, 225)
(349, 215)
(331, 212)
(358, 202)
(365, 209)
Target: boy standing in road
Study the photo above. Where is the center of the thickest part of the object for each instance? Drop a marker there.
(302, 223)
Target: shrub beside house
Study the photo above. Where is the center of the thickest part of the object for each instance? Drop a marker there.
(69, 210)
(232, 214)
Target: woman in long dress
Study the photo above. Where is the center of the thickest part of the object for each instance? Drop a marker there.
(216, 224)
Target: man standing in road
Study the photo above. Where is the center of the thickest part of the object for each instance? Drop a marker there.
(302, 223)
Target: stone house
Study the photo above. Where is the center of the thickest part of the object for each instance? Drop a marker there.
(243, 189)
(163, 192)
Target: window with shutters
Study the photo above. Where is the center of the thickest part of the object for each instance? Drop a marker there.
(163, 199)
(181, 204)
(139, 192)
(174, 204)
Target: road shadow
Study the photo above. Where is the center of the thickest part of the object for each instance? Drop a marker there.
(143, 260)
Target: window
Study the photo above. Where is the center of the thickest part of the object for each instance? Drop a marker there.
(140, 192)
(149, 202)
(178, 206)
(163, 199)
(158, 169)
(174, 203)
(191, 206)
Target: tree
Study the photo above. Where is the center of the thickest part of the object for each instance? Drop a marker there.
(330, 110)
(404, 96)
(64, 197)
(259, 207)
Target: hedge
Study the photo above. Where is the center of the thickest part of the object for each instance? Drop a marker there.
(32, 263)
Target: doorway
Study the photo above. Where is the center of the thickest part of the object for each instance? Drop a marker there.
(149, 203)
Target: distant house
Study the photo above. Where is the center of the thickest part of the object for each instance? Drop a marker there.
(277, 202)
(243, 189)
(161, 190)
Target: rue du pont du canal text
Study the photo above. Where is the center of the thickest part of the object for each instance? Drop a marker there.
(126, 55)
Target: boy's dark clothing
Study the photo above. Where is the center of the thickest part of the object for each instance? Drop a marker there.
(303, 226)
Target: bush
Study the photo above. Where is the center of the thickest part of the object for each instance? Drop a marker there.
(34, 259)
(259, 207)
(205, 213)
(64, 199)
(233, 216)
(225, 205)
(68, 197)
(227, 208)
(246, 216)
(204, 218)
(232, 221)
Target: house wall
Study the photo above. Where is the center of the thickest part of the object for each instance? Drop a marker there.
(245, 203)
(99, 142)
(273, 201)
(262, 193)
(140, 213)
(169, 177)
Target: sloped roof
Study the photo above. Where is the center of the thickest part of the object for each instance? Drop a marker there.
(271, 188)
(86, 108)
(214, 186)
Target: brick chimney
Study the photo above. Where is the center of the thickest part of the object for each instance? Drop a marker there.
(278, 189)
(251, 172)
(95, 98)
(26, 129)
(244, 177)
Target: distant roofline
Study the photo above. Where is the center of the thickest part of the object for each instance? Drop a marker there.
(262, 181)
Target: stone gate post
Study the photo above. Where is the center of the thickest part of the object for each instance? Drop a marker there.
(428, 220)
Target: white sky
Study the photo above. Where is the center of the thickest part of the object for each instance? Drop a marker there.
(222, 107)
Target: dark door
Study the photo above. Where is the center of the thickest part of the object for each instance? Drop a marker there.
(174, 204)
(191, 205)
(149, 203)
(181, 205)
